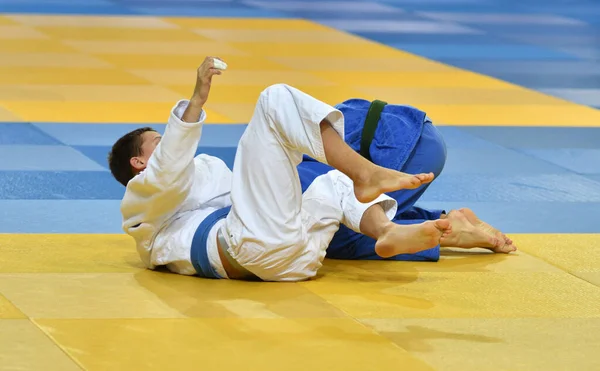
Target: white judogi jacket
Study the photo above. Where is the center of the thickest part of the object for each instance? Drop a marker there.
(164, 204)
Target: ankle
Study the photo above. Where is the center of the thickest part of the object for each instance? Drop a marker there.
(385, 229)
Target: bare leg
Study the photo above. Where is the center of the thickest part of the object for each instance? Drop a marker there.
(369, 180)
(394, 239)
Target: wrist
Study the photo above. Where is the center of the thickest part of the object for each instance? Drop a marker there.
(197, 102)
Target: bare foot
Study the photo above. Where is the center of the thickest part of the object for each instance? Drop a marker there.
(382, 180)
(506, 247)
(410, 239)
(466, 235)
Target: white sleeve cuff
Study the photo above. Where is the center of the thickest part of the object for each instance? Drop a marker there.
(180, 108)
(388, 204)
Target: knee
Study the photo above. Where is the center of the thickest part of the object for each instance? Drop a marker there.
(271, 93)
(436, 146)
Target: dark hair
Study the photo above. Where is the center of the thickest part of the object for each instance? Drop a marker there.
(128, 146)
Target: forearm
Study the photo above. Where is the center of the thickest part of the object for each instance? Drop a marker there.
(178, 146)
(193, 111)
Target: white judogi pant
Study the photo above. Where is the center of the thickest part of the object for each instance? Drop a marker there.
(274, 230)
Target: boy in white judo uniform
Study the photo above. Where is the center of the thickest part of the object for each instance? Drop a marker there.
(196, 217)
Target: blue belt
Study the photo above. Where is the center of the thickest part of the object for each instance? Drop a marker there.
(199, 253)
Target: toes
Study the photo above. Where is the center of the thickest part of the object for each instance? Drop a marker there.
(442, 224)
(425, 178)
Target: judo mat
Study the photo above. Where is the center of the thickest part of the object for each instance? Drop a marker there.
(513, 86)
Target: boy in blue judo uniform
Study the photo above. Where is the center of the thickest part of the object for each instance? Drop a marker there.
(402, 138)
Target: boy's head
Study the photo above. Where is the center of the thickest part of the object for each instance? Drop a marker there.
(130, 154)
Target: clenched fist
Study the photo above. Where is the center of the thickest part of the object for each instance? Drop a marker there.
(203, 81)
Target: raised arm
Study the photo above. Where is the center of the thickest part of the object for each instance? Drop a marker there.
(166, 179)
(174, 155)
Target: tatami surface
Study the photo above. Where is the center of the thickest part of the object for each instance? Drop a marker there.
(513, 85)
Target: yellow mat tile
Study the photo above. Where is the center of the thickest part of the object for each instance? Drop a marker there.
(415, 79)
(396, 63)
(172, 48)
(451, 260)
(121, 34)
(26, 92)
(245, 23)
(197, 297)
(571, 252)
(91, 93)
(20, 32)
(253, 344)
(289, 36)
(68, 253)
(65, 75)
(508, 344)
(78, 21)
(464, 95)
(6, 21)
(513, 115)
(101, 112)
(23, 346)
(6, 115)
(497, 344)
(188, 62)
(591, 277)
(316, 50)
(223, 94)
(482, 294)
(99, 295)
(237, 103)
(33, 46)
(262, 78)
(9, 59)
(240, 113)
(7, 310)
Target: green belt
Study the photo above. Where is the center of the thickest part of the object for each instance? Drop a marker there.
(371, 122)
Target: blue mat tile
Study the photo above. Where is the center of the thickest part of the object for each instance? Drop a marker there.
(100, 153)
(564, 68)
(531, 217)
(538, 137)
(23, 133)
(51, 185)
(210, 12)
(581, 161)
(589, 52)
(322, 17)
(60, 216)
(566, 187)
(410, 27)
(551, 81)
(482, 51)
(43, 157)
(534, 29)
(70, 8)
(506, 20)
(455, 137)
(332, 9)
(50, 3)
(595, 178)
(405, 38)
(590, 97)
(496, 161)
(107, 134)
(552, 40)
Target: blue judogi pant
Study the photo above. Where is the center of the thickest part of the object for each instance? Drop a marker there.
(428, 155)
